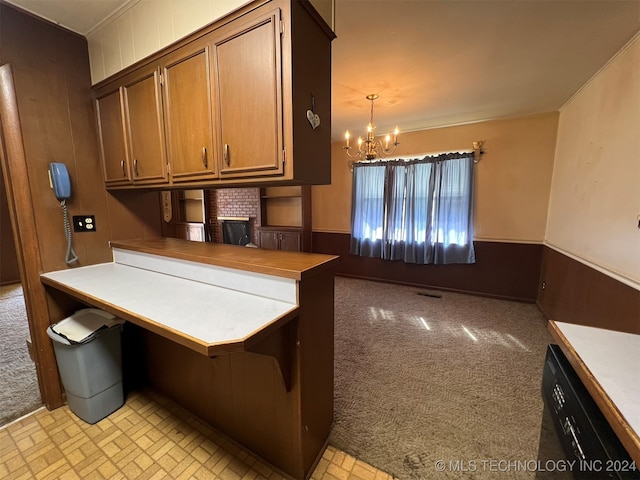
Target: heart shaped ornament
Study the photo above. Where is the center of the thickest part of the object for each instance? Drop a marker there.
(314, 119)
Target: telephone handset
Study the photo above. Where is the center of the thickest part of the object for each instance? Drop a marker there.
(59, 180)
(61, 184)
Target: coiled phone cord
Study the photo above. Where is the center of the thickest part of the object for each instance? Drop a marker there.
(71, 254)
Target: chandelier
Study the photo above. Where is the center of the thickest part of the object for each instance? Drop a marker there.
(370, 148)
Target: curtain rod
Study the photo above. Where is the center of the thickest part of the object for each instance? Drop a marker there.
(476, 150)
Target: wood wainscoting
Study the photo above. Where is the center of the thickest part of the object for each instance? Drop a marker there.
(502, 270)
(577, 293)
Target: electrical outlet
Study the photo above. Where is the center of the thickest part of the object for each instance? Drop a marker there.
(84, 223)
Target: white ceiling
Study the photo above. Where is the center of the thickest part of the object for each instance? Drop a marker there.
(444, 62)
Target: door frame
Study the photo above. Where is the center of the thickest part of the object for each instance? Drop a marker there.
(19, 199)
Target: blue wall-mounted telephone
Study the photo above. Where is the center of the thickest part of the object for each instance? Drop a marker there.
(59, 180)
(61, 185)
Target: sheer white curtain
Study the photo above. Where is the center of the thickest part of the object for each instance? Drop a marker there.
(418, 211)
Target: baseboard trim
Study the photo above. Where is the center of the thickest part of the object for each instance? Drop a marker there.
(437, 288)
(542, 310)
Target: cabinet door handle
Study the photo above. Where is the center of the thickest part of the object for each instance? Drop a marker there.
(135, 167)
(204, 157)
(227, 159)
(124, 173)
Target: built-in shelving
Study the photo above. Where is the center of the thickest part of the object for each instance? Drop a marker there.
(190, 215)
(285, 218)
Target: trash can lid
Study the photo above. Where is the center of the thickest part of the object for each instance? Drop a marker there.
(81, 326)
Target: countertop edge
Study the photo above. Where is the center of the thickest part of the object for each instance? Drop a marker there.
(294, 265)
(627, 436)
(186, 340)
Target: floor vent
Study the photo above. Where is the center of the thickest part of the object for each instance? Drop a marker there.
(428, 294)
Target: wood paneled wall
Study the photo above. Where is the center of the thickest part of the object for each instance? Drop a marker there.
(564, 289)
(502, 270)
(9, 272)
(48, 116)
(576, 293)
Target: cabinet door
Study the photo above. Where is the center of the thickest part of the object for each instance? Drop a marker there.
(290, 241)
(143, 112)
(188, 114)
(249, 97)
(268, 239)
(112, 140)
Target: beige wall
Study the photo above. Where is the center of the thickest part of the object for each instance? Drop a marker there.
(595, 196)
(147, 26)
(512, 180)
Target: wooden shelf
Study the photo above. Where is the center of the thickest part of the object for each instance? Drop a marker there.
(285, 210)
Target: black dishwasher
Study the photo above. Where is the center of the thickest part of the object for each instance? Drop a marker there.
(584, 433)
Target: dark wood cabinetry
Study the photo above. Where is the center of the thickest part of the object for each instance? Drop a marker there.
(112, 138)
(248, 84)
(145, 129)
(188, 113)
(286, 218)
(232, 100)
(131, 131)
(280, 238)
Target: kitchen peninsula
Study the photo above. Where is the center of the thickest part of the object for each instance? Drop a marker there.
(606, 361)
(242, 337)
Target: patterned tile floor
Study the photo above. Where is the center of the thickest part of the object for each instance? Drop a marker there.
(148, 438)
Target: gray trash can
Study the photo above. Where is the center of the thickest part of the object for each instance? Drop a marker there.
(88, 350)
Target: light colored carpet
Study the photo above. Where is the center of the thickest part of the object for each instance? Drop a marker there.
(19, 392)
(420, 379)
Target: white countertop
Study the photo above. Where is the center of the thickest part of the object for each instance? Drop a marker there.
(613, 360)
(204, 314)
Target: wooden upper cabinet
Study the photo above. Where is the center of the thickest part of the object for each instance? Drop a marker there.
(188, 113)
(112, 140)
(233, 101)
(249, 97)
(145, 128)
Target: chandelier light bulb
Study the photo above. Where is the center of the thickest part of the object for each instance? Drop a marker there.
(372, 148)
